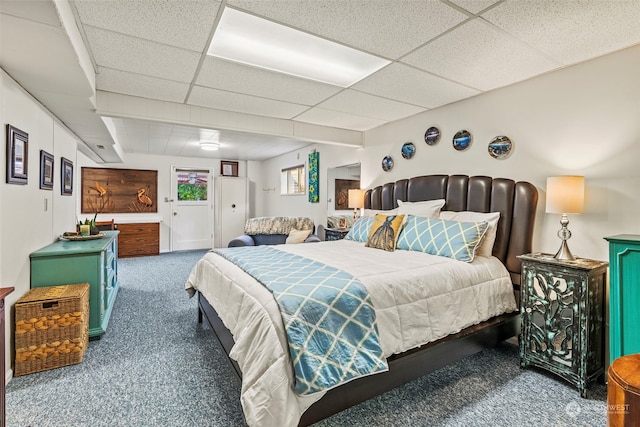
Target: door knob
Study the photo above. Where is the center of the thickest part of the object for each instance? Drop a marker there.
(175, 213)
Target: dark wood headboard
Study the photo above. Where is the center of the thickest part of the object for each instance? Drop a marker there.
(516, 202)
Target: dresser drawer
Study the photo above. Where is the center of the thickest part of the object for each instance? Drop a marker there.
(140, 239)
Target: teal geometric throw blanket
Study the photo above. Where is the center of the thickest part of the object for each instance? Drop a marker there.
(327, 314)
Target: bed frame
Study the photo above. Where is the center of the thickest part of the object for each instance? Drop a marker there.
(516, 202)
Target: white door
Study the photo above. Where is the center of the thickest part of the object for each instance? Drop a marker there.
(191, 216)
(232, 208)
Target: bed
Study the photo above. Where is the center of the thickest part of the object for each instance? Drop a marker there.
(231, 300)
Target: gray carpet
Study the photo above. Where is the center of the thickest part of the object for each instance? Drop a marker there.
(156, 366)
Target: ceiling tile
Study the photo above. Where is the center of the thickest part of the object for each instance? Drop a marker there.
(323, 117)
(160, 131)
(185, 24)
(474, 6)
(477, 54)
(223, 100)
(387, 28)
(138, 129)
(39, 11)
(571, 31)
(233, 77)
(363, 104)
(138, 85)
(406, 84)
(184, 141)
(125, 53)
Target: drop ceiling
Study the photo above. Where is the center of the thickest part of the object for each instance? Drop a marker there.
(156, 91)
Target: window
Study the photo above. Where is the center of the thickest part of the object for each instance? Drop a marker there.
(292, 180)
(192, 184)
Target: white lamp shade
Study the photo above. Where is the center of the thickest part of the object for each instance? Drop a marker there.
(356, 199)
(565, 194)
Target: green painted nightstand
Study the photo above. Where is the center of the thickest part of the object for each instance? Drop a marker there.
(562, 307)
(92, 261)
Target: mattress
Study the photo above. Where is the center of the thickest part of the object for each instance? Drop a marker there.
(418, 298)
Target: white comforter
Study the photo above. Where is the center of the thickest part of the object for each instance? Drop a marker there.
(418, 298)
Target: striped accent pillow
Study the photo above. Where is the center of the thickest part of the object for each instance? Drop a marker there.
(359, 231)
(451, 239)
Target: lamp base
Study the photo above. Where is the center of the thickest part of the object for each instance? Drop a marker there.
(564, 254)
(564, 234)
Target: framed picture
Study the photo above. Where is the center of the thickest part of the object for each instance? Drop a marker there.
(17, 156)
(113, 190)
(342, 187)
(66, 178)
(228, 168)
(46, 170)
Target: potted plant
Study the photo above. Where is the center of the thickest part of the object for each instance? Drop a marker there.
(93, 229)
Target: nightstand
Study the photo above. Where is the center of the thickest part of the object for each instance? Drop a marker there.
(562, 310)
(335, 233)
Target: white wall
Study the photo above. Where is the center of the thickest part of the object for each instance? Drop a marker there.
(350, 173)
(256, 195)
(275, 204)
(582, 120)
(163, 165)
(25, 224)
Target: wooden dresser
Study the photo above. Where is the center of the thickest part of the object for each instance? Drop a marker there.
(138, 239)
(92, 261)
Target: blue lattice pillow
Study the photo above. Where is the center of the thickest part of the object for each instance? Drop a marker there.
(452, 239)
(359, 231)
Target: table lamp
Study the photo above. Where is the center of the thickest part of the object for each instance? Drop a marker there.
(565, 195)
(356, 200)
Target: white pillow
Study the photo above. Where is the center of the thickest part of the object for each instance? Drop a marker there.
(373, 212)
(485, 248)
(428, 208)
(297, 236)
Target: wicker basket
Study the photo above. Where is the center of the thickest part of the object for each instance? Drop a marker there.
(52, 327)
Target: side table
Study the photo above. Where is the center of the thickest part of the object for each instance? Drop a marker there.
(335, 233)
(623, 391)
(562, 307)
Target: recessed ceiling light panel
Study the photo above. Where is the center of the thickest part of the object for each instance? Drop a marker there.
(209, 146)
(247, 39)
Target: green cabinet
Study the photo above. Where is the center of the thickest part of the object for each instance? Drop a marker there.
(90, 261)
(624, 295)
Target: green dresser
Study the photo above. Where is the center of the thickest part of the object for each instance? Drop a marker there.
(91, 261)
(624, 295)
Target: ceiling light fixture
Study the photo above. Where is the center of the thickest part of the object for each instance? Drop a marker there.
(209, 146)
(247, 39)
